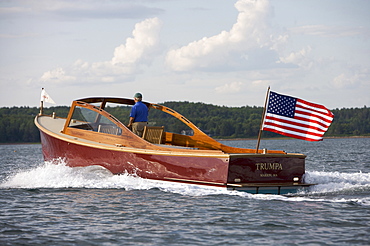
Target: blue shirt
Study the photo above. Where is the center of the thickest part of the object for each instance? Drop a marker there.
(139, 112)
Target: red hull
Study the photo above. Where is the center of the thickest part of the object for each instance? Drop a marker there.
(161, 167)
(219, 171)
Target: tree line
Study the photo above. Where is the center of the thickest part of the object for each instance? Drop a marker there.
(17, 126)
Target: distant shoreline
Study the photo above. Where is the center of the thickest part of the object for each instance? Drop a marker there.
(232, 139)
(17, 143)
(285, 138)
(348, 137)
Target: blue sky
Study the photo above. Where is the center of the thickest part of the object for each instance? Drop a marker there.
(221, 52)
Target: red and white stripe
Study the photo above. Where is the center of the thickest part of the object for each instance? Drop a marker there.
(310, 122)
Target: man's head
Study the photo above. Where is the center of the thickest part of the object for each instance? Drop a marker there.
(138, 96)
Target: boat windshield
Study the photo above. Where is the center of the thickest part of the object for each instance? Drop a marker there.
(87, 119)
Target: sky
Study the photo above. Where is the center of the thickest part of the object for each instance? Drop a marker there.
(220, 52)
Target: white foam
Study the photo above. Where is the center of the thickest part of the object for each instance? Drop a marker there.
(57, 175)
(335, 181)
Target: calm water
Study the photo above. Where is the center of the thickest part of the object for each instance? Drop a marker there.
(44, 203)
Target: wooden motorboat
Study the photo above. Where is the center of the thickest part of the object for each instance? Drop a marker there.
(91, 136)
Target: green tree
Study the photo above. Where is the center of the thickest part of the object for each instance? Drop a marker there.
(16, 123)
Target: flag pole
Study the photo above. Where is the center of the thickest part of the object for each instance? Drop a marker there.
(263, 117)
(41, 104)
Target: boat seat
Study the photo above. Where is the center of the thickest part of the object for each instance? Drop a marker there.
(110, 129)
(153, 134)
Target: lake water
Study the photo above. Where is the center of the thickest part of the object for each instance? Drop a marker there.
(44, 203)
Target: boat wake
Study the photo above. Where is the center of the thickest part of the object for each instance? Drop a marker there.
(57, 175)
(336, 182)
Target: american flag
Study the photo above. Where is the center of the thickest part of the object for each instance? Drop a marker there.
(297, 118)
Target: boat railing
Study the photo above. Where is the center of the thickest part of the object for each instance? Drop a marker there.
(198, 140)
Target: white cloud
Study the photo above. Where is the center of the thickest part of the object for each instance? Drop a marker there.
(76, 10)
(128, 58)
(300, 58)
(145, 39)
(57, 75)
(230, 48)
(22, 35)
(232, 87)
(328, 31)
(352, 78)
